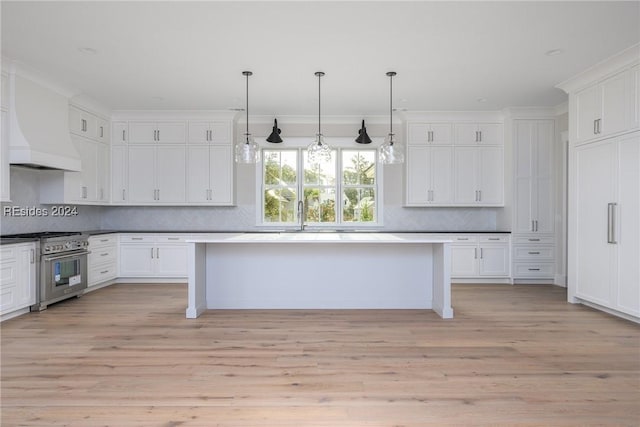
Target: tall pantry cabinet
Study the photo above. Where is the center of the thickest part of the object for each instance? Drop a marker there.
(604, 186)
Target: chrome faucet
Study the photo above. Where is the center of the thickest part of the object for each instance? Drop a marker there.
(301, 214)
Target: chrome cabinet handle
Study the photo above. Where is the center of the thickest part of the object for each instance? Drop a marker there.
(136, 238)
(494, 238)
(101, 132)
(611, 223)
(158, 135)
(475, 253)
(595, 127)
(152, 253)
(480, 191)
(123, 137)
(481, 253)
(123, 194)
(479, 136)
(534, 253)
(534, 269)
(32, 254)
(534, 240)
(104, 272)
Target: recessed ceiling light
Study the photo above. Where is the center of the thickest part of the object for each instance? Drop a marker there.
(87, 50)
(554, 52)
(481, 99)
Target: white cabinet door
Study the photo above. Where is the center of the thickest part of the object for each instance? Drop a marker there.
(628, 226)
(102, 131)
(171, 260)
(614, 97)
(171, 132)
(103, 173)
(494, 260)
(220, 133)
(465, 167)
(429, 133)
(119, 166)
(88, 176)
(464, 260)
(221, 174)
(417, 175)
(491, 175)
(595, 167)
(466, 134)
(441, 170)
(142, 132)
(137, 260)
(199, 132)
(588, 110)
(198, 184)
(490, 134)
(120, 132)
(170, 174)
(544, 189)
(141, 174)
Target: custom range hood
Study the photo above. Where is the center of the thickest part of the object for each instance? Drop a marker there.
(39, 127)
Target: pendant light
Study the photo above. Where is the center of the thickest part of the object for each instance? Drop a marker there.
(363, 138)
(319, 151)
(391, 152)
(247, 151)
(275, 133)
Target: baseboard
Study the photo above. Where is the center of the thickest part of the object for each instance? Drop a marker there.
(533, 282)
(13, 314)
(607, 310)
(482, 281)
(150, 280)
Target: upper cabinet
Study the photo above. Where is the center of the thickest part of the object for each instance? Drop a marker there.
(217, 132)
(479, 134)
(157, 132)
(607, 108)
(454, 164)
(88, 125)
(162, 160)
(604, 101)
(430, 133)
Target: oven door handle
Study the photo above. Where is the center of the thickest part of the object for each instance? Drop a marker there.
(71, 255)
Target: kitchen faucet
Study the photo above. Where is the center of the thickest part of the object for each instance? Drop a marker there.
(301, 214)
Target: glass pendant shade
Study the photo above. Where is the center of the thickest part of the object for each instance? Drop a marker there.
(318, 151)
(247, 150)
(391, 152)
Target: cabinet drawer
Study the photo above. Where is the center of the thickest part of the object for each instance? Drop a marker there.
(172, 238)
(8, 297)
(103, 240)
(494, 239)
(533, 270)
(534, 252)
(464, 238)
(102, 273)
(102, 256)
(137, 238)
(541, 240)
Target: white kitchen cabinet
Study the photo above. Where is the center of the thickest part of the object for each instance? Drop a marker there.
(478, 134)
(89, 186)
(120, 132)
(480, 256)
(429, 176)
(207, 132)
(606, 231)
(162, 132)
(102, 262)
(156, 174)
(534, 176)
(429, 134)
(210, 179)
(607, 107)
(479, 176)
(17, 278)
(153, 256)
(119, 173)
(5, 169)
(83, 123)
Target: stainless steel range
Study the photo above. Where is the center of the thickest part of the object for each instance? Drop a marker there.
(63, 266)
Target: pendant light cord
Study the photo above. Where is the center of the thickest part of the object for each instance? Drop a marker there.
(391, 74)
(247, 110)
(319, 94)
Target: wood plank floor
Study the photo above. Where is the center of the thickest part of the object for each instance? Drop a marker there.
(126, 356)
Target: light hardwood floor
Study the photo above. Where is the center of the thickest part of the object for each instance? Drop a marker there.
(127, 356)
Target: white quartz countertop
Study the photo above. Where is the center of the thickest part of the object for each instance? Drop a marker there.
(321, 237)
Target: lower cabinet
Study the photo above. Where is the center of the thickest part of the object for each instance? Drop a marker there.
(533, 257)
(480, 256)
(17, 277)
(102, 262)
(153, 255)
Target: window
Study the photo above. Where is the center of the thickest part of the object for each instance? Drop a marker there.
(342, 191)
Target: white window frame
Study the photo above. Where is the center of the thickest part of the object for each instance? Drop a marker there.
(339, 144)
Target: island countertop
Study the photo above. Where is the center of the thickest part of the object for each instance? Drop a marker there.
(320, 237)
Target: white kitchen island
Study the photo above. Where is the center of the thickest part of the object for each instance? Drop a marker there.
(319, 271)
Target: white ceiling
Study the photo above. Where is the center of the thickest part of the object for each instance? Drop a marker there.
(190, 55)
